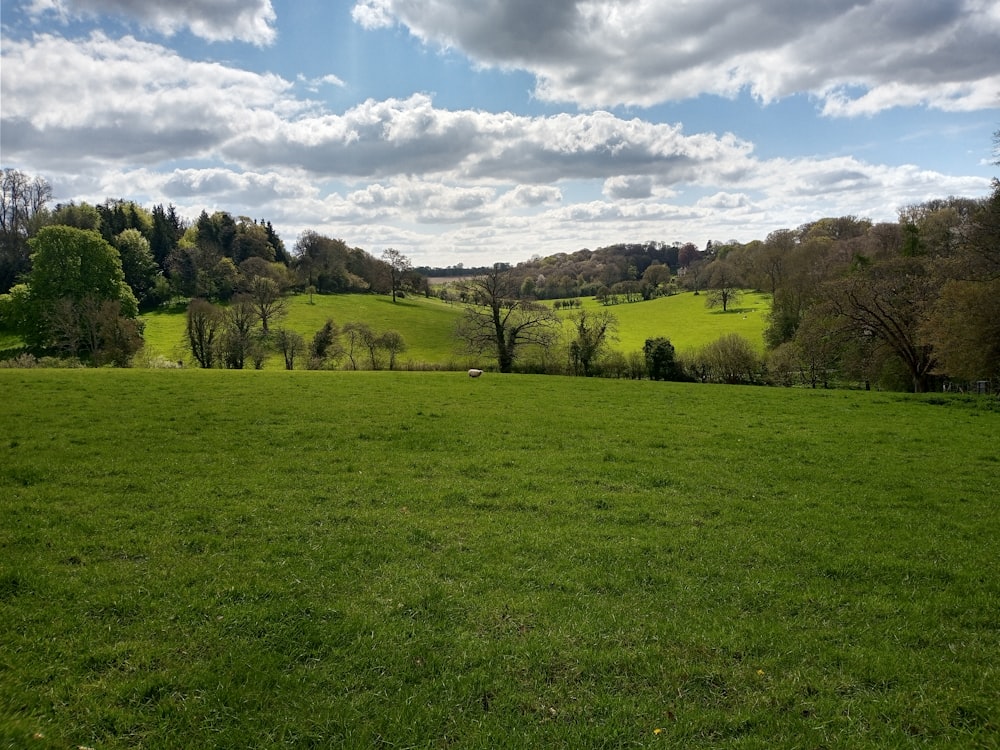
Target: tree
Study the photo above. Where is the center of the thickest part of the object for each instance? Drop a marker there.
(236, 342)
(290, 344)
(497, 322)
(964, 330)
(265, 297)
(357, 335)
(111, 338)
(398, 265)
(887, 300)
(69, 265)
(724, 284)
(22, 212)
(730, 359)
(591, 334)
(394, 344)
(325, 346)
(81, 216)
(138, 264)
(203, 323)
(661, 360)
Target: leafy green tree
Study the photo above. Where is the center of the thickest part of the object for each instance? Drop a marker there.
(592, 332)
(661, 360)
(138, 265)
(71, 265)
(325, 346)
(166, 232)
(78, 215)
(964, 330)
(498, 322)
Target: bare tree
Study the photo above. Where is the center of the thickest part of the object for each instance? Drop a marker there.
(290, 344)
(394, 345)
(264, 295)
(203, 322)
(398, 264)
(724, 285)
(499, 323)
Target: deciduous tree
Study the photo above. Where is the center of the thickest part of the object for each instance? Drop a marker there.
(496, 321)
(398, 265)
(290, 344)
(70, 265)
(23, 212)
(203, 323)
(591, 333)
(661, 360)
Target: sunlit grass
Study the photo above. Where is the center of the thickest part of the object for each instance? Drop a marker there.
(266, 559)
(428, 325)
(686, 321)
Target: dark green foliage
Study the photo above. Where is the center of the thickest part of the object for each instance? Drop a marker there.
(324, 347)
(661, 360)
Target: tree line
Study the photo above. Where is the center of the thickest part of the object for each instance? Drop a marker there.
(913, 303)
(73, 278)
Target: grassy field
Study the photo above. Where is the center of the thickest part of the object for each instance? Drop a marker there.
(428, 325)
(684, 319)
(197, 559)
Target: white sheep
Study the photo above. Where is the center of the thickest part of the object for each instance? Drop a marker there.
(474, 373)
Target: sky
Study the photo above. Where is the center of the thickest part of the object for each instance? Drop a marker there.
(478, 131)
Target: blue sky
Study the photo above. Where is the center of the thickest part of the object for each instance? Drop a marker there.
(472, 132)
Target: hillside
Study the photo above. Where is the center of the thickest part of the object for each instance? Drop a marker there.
(428, 324)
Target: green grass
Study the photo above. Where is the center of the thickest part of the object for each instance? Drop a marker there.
(428, 325)
(268, 559)
(684, 319)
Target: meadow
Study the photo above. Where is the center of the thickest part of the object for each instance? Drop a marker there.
(198, 559)
(428, 325)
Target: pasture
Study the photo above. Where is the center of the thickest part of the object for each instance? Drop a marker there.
(312, 559)
(428, 325)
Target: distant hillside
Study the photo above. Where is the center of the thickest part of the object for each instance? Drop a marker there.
(427, 324)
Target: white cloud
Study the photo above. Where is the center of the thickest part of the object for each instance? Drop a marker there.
(107, 117)
(935, 53)
(628, 188)
(214, 20)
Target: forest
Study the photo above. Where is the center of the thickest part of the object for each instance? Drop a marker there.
(912, 304)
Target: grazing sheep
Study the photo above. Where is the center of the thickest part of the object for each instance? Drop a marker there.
(474, 373)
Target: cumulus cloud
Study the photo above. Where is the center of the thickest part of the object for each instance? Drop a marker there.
(120, 117)
(125, 100)
(856, 58)
(628, 188)
(214, 20)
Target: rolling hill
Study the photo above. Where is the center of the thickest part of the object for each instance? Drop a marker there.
(428, 324)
